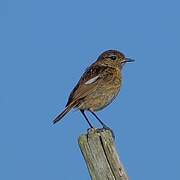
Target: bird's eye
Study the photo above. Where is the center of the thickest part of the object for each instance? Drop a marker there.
(113, 57)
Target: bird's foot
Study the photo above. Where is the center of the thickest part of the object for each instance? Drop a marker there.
(107, 128)
(91, 129)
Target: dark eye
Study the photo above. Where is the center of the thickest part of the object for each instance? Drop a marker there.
(113, 57)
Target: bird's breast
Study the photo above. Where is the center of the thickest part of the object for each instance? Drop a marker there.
(105, 93)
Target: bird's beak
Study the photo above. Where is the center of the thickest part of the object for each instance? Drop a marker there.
(127, 60)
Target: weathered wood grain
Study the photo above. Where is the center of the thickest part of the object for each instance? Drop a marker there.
(100, 154)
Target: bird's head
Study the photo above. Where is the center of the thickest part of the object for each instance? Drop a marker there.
(113, 58)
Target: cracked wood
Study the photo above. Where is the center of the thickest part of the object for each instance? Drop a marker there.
(101, 157)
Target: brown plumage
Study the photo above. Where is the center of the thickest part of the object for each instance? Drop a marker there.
(98, 86)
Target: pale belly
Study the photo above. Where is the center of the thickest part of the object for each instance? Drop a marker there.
(99, 99)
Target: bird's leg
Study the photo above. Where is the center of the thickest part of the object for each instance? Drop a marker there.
(104, 125)
(83, 113)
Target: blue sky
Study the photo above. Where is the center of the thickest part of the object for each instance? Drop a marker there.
(45, 47)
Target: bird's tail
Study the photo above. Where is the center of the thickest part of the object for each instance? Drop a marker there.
(62, 114)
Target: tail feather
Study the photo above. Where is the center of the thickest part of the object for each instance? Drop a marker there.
(62, 114)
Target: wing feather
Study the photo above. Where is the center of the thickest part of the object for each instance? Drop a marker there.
(89, 82)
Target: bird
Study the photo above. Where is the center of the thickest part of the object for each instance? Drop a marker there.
(98, 86)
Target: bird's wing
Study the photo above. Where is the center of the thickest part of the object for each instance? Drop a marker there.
(88, 83)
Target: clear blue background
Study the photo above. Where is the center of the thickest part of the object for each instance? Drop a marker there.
(45, 47)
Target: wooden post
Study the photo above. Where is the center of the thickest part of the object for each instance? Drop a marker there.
(98, 149)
